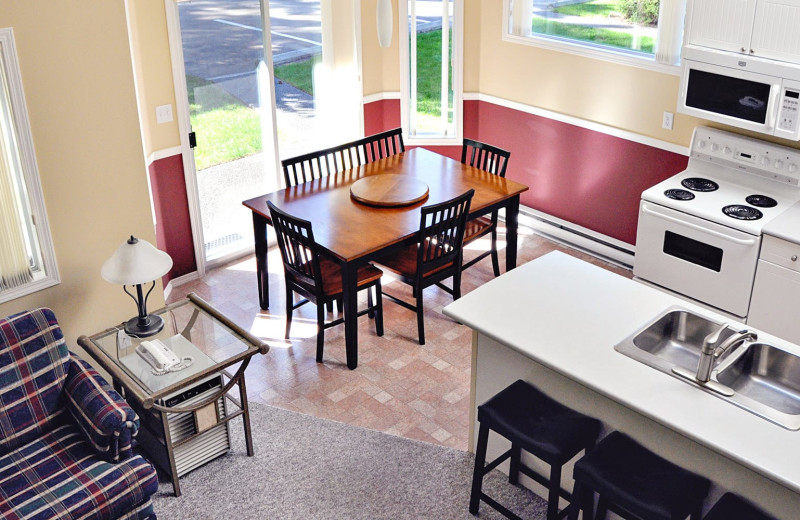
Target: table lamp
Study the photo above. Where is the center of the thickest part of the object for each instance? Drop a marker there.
(137, 262)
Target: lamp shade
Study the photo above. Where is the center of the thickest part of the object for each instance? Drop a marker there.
(384, 19)
(136, 262)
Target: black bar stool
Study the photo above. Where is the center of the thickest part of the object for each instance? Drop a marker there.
(635, 483)
(539, 425)
(734, 507)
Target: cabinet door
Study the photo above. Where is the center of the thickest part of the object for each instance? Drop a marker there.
(776, 30)
(775, 305)
(722, 24)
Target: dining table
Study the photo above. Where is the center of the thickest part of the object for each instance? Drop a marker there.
(353, 231)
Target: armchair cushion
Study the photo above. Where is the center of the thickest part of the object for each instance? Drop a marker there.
(107, 421)
(59, 476)
(33, 367)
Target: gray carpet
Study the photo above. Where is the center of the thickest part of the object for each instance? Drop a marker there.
(310, 468)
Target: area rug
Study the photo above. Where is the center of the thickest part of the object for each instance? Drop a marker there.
(305, 467)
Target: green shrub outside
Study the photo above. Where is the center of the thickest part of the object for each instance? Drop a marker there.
(642, 12)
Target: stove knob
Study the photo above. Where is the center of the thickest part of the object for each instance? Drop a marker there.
(765, 161)
(778, 164)
(701, 144)
(792, 168)
(714, 147)
(794, 258)
(727, 150)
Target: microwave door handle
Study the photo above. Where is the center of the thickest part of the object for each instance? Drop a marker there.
(744, 242)
(772, 113)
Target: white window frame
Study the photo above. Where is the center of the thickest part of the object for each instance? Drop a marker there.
(457, 74)
(45, 274)
(598, 52)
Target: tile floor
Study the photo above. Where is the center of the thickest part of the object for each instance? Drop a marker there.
(399, 387)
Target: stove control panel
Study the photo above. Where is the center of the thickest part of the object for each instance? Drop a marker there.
(770, 160)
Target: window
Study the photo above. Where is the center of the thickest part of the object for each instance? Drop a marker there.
(638, 32)
(431, 51)
(27, 263)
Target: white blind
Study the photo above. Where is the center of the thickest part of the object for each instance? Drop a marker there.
(14, 264)
(670, 31)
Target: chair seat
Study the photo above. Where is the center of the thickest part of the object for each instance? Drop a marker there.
(47, 478)
(732, 507)
(640, 481)
(404, 262)
(332, 276)
(540, 425)
(477, 228)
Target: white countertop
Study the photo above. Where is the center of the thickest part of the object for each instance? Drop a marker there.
(567, 315)
(786, 225)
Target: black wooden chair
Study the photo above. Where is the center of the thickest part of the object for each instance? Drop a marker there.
(316, 278)
(492, 160)
(384, 144)
(321, 163)
(435, 256)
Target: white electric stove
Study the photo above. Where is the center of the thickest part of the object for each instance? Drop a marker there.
(699, 231)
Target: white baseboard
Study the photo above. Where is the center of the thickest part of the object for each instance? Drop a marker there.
(570, 234)
(175, 282)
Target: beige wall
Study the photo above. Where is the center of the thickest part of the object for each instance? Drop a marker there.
(380, 66)
(153, 66)
(619, 96)
(78, 80)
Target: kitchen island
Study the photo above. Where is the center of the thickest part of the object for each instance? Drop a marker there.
(554, 322)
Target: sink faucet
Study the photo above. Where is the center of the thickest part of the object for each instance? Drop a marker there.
(711, 350)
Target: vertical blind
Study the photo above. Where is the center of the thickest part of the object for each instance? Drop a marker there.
(15, 267)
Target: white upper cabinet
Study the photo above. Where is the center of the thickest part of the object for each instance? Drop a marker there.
(764, 28)
(776, 30)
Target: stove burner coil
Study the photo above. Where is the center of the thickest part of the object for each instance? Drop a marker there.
(699, 184)
(678, 194)
(742, 212)
(761, 201)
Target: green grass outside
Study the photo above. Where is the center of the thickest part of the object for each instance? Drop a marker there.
(596, 35)
(226, 128)
(597, 8)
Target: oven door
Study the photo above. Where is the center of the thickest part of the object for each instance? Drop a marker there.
(700, 259)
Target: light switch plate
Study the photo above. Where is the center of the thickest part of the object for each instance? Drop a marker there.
(164, 114)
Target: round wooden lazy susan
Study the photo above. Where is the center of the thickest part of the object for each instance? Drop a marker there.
(389, 190)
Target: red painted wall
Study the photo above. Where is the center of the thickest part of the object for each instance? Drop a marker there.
(381, 115)
(173, 226)
(585, 177)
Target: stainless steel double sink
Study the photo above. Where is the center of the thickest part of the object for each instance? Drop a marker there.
(761, 378)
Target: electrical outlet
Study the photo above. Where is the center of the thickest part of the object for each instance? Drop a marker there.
(164, 114)
(666, 123)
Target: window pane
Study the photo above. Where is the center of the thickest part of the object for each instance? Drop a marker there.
(627, 25)
(431, 63)
(27, 263)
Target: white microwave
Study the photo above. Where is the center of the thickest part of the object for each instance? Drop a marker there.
(755, 94)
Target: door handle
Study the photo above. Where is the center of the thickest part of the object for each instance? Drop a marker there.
(741, 241)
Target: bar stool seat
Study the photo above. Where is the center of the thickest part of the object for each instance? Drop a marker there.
(733, 507)
(634, 482)
(533, 422)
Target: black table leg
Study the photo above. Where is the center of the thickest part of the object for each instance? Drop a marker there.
(349, 292)
(262, 269)
(512, 217)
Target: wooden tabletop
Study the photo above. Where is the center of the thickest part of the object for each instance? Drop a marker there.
(350, 230)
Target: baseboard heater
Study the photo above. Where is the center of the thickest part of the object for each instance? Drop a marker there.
(573, 235)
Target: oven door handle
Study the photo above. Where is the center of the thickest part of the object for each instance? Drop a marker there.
(744, 242)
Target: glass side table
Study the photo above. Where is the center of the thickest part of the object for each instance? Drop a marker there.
(185, 412)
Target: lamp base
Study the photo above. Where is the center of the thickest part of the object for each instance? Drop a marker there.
(153, 325)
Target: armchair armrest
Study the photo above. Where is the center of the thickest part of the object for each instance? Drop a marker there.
(108, 422)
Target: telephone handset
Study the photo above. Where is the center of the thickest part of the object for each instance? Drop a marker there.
(158, 355)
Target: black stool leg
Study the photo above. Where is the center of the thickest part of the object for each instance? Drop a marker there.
(477, 474)
(582, 500)
(553, 492)
(697, 512)
(513, 471)
(602, 508)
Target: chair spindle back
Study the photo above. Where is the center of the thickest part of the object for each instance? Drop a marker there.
(485, 156)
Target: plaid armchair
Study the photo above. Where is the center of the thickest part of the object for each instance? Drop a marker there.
(65, 434)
